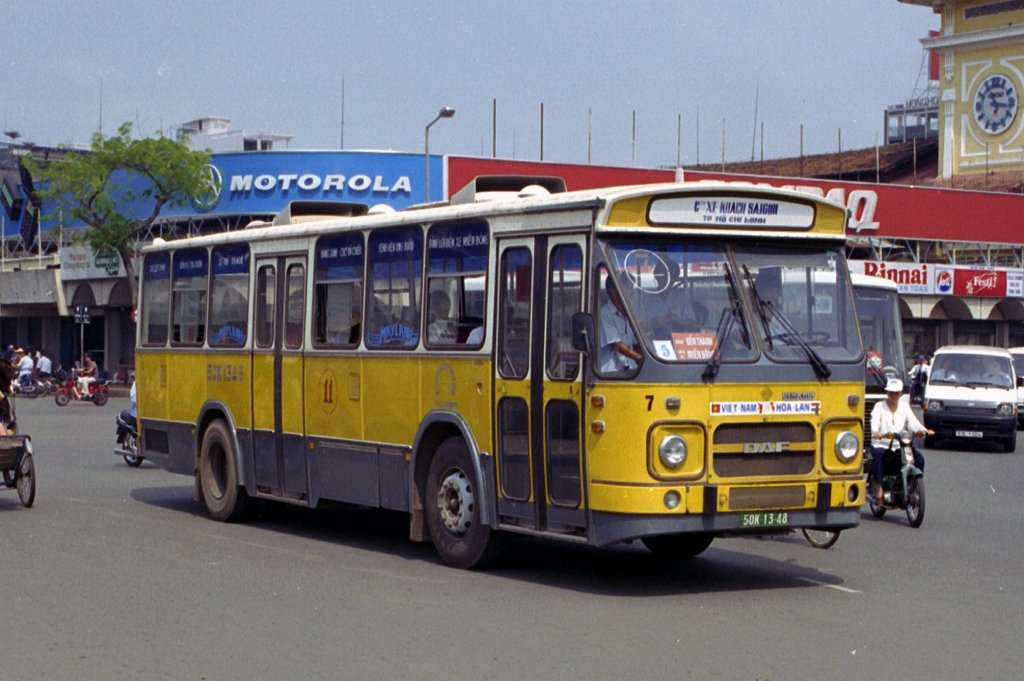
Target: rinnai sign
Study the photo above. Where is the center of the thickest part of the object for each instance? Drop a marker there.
(908, 277)
(943, 280)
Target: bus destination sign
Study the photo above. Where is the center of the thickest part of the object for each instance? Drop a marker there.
(732, 211)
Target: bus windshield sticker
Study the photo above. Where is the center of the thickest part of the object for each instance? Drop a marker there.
(802, 407)
(694, 345)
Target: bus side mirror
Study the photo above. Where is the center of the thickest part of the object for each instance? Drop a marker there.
(583, 332)
(1020, 381)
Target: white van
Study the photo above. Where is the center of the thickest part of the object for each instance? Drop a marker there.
(972, 395)
(1018, 366)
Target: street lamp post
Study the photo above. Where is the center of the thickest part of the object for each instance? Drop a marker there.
(446, 112)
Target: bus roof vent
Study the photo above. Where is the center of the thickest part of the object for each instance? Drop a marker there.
(496, 187)
(309, 211)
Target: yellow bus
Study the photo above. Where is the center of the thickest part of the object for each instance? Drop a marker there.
(670, 363)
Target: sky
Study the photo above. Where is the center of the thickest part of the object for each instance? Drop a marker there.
(372, 75)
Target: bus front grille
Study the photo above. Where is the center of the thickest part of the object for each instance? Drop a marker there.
(766, 497)
(742, 450)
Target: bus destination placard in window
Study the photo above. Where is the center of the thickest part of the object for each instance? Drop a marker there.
(731, 211)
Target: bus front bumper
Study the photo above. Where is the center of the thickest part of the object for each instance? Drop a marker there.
(736, 510)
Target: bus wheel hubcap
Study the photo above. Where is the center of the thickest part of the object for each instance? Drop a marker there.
(455, 502)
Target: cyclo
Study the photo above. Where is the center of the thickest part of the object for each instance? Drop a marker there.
(16, 464)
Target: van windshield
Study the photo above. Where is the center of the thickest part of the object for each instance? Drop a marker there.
(980, 371)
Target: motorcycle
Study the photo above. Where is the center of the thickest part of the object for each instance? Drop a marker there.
(126, 440)
(902, 481)
(28, 386)
(98, 393)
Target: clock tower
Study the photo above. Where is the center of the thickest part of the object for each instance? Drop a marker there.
(981, 53)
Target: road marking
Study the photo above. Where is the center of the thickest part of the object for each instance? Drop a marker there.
(831, 586)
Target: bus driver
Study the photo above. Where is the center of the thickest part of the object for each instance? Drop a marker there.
(618, 344)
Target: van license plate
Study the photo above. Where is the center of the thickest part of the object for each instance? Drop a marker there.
(969, 433)
(749, 520)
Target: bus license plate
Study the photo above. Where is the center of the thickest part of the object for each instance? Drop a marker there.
(969, 433)
(756, 520)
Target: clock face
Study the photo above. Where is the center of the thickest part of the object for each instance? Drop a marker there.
(995, 104)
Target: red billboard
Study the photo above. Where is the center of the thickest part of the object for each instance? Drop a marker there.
(878, 210)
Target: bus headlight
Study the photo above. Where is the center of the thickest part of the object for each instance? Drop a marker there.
(1005, 409)
(847, 446)
(933, 405)
(672, 452)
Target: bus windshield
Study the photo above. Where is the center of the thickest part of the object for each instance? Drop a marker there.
(878, 310)
(685, 300)
(803, 302)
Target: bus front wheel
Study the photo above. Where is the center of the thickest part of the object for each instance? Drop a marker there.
(452, 503)
(225, 498)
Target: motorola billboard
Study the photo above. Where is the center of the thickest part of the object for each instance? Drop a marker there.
(253, 183)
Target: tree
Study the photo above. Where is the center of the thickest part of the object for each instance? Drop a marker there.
(119, 187)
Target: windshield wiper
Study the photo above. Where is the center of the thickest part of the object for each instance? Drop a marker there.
(763, 308)
(760, 305)
(820, 367)
(725, 324)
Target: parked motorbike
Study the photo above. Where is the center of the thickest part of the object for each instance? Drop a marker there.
(126, 440)
(902, 481)
(98, 393)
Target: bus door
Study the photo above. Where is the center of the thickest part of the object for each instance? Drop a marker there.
(279, 454)
(538, 384)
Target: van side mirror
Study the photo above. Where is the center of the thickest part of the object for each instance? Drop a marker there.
(1020, 381)
(584, 332)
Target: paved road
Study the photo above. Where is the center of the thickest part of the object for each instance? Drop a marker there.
(117, 574)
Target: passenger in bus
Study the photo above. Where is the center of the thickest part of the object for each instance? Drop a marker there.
(441, 330)
(618, 352)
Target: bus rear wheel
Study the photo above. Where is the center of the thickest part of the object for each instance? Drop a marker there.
(675, 546)
(225, 498)
(452, 503)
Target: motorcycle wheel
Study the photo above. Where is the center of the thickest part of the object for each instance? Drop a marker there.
(61, 399)
(915, 501)
(876, 510)
(99, 399)
(131, 444)
(820, 539)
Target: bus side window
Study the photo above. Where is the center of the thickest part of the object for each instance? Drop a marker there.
(189, 296)
(338, 291)
(515, 296)
(156, 299)
(456, 284)
(229, 296)
(564, 300)
(265, 296)
(294, 306)
(396, 271)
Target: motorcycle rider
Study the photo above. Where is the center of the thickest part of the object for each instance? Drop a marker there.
(131, 415)
(44, 366)
(25, 365)
(86, 375)
(918, 378)
(888, 418)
